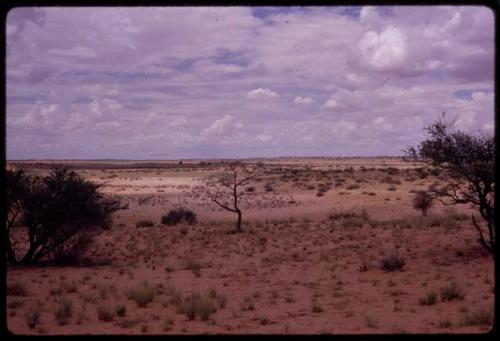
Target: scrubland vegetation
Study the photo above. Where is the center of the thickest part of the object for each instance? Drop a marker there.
(311, 245)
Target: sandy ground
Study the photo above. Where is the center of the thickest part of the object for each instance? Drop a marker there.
(294, 270)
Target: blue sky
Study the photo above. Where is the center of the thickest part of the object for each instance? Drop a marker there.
(225, 82)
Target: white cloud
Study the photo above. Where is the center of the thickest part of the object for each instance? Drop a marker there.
(330, 104)
(264, 137)
(343, 128)
(261, 93)
(380, 123)
(223, 126)
(303, 100)
(78, 51)
(356, 78)
(386, 50)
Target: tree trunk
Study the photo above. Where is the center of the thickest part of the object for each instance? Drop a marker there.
(11, 255)
(28, 257)
(238, 224)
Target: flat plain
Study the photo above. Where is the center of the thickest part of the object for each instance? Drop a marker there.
(312, 259)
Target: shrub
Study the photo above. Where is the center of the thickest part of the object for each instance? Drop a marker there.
(221, 299)
(16, 288)
(64, 311)
(201, 305)
(422, 201)
(452, 292)
(120, 310)
(168, 323)
(145, 223)
(429, 299)
(392, 262)
(32, 318)
(143, 295)
(53, 209)
(316, 308)
(179, 215)
(104, 312)
(478, 318)
(71, 252)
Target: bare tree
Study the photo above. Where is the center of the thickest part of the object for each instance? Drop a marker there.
(469, 161)
(225, 190)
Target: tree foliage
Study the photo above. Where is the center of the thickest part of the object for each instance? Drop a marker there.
(54, 211)
(469, 160)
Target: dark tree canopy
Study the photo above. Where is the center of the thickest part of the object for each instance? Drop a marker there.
(470, 162)
(54, 210)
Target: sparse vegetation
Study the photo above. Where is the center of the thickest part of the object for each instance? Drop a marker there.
(392, 262)
(143, 295)
(452, 292)
(422, 201)
(481, 317)
(32, 318)
(104, 312)
(145, 223)
(16, 288)
(429, 299)
(64, 310)
(179, 215)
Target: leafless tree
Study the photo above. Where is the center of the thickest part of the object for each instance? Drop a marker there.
(225, 189)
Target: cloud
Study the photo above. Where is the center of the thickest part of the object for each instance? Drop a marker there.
(303, 100)
(78, 52)
(384, 51)
(139, 76)
(261, 93)
(331, 104)
(223, 126)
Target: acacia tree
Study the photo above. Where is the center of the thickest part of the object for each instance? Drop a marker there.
(54, 211)
(225, 190)
(469, 160)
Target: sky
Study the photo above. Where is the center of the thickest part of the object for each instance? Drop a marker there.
(240, 82)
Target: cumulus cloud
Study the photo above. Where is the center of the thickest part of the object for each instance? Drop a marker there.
(261, 93)
(303, 100)
(386, 50)
(141, 76)
(223, 126)
(331, 104)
